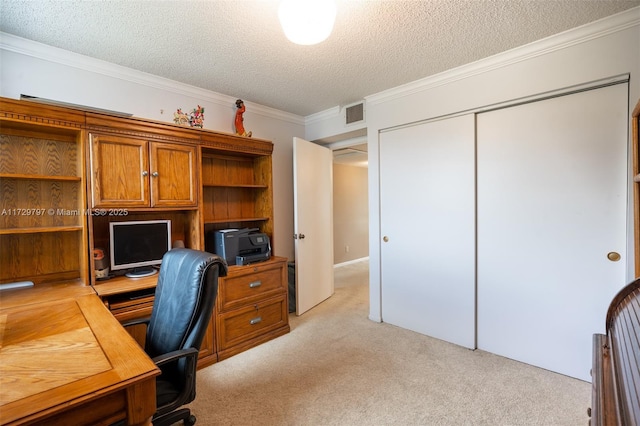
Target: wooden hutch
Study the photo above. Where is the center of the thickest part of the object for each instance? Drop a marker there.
(66, 173)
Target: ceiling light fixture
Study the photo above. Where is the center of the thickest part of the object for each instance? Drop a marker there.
(307, 22)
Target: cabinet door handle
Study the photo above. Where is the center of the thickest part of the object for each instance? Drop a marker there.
(255, 284)
(154, 174)
(255, 320)
(145, 173)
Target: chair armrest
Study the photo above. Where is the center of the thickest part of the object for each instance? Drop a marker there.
(137, 321)
(175, 355)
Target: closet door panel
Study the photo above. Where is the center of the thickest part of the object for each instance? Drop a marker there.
(552, 202)
(428, 220)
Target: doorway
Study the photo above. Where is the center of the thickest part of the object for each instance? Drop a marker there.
(350, 202)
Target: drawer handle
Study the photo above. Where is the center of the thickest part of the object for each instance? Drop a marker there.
(255, 284)
(256, 320)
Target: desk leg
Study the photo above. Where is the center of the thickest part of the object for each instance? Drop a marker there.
(141, 402)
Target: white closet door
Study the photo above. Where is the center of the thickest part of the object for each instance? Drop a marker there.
(552, 200)
(427, 217)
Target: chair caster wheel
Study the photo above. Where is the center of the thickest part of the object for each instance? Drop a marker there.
(190, 421)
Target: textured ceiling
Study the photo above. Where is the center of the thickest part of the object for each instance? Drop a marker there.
(238, 49)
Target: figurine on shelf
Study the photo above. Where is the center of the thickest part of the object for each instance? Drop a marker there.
(197, 117)
(239, 119)
(180, 117)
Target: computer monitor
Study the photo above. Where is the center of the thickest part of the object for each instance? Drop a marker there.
(137, 246)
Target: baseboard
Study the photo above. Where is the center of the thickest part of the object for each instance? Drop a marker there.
(349, 262)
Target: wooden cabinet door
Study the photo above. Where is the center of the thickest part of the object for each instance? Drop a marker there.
(119, 171)
(173, 175)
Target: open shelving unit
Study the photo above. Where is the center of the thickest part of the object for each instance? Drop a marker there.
(236, 191)
(42, 206)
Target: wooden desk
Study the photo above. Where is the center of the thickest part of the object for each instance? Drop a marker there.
(67, 361)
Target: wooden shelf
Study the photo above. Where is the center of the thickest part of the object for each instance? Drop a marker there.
(119, 285)
(43, 227)
(232, 185)
(40, 177)
(40, 230)
(236, 219)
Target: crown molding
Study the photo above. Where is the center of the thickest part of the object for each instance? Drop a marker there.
(322, 115)
(603, 27)
(48, 53)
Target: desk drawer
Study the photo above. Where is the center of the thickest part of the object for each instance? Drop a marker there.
(133, 309)
(250, 285)
(252, 321)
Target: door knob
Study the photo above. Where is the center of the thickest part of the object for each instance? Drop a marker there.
(298, 236)
(145, 173)
(302, 236)
(613, 256)
(385, 239)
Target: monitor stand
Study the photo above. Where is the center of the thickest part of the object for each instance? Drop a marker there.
(141, 272)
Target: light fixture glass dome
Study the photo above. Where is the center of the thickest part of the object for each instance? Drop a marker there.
(307, 21)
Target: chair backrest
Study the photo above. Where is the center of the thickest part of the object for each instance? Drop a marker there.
(185, 295)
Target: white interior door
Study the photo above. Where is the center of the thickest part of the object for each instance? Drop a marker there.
(427, 216)
(313, 222)
(552, 201)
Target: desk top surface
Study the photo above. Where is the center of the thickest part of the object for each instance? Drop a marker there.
(58, 352)
(43, 293)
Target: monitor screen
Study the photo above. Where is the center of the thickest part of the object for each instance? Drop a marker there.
(138, 245)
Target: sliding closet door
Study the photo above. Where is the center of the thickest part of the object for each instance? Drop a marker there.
(427, 220)
(552, 199)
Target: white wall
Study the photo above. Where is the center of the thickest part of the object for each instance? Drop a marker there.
(35, 69)
(604, 49)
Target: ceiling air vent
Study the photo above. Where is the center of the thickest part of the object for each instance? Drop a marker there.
(354, 113)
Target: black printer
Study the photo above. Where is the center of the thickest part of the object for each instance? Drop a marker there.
(239, 246)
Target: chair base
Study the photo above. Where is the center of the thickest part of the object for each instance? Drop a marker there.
(168, 419)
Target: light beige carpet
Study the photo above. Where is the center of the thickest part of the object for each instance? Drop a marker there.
(337, 367)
